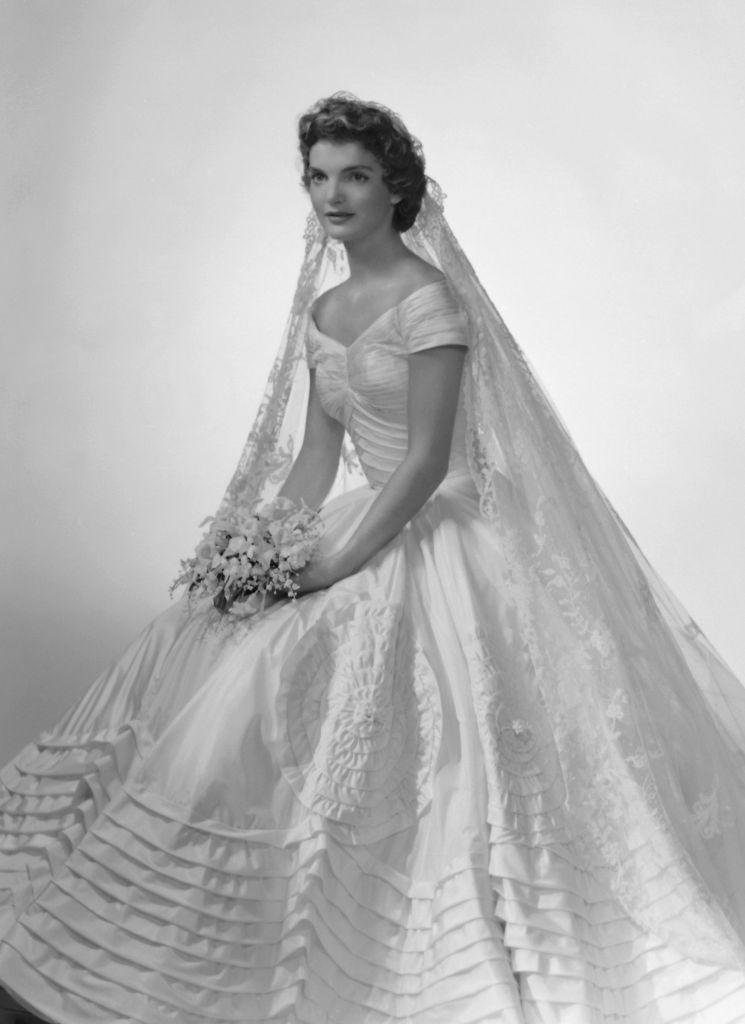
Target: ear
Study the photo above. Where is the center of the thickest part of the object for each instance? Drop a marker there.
(395, 199)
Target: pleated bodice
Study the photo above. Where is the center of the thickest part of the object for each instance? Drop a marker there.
(351, 808)
(364, 385)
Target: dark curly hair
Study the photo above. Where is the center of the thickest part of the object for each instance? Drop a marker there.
(345, 118)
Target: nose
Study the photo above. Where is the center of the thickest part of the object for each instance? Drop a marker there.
(334, 191)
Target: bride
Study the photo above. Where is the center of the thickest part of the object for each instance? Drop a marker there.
(484, 769)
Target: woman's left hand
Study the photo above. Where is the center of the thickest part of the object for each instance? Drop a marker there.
(318, 574)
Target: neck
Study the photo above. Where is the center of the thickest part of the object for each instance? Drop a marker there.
(370, 257)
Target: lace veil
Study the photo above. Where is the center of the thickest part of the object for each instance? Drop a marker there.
(649, 722)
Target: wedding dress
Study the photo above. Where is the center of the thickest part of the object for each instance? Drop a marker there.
(375, 804)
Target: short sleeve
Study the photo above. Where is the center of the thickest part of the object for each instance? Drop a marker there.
(431, 317)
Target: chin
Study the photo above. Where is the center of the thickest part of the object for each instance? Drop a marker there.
(349, 232)
(340, 234)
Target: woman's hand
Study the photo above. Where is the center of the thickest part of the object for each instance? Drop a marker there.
(221, 602)
(224, 603)
(318, 574)
(245, 606)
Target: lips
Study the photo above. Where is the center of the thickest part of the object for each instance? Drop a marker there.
(338, 216)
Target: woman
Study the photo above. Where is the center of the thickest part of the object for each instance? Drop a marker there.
(483, 769)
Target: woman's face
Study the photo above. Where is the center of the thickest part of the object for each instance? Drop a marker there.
(347, 191)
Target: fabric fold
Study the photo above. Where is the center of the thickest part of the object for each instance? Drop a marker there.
(360, 807)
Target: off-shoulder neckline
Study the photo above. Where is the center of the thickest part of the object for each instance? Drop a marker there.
(440, 282)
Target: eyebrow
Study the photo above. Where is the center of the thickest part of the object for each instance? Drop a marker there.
(353, 167)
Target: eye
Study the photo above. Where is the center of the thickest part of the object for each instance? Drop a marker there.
(316, 176)
(359, 176)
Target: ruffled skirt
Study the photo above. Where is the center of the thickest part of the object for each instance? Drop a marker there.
(347, 810)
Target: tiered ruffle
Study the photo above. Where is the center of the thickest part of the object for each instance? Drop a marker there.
(336, 818)
(153, 919)
(53, 791)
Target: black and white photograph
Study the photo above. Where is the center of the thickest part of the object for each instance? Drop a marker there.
(373, 472)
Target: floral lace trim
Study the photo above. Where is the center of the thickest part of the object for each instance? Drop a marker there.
(363, 722)
(526, 791)
(711, 816)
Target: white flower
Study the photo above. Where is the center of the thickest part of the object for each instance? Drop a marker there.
(265, 559)
(255, 551)
(237, 545)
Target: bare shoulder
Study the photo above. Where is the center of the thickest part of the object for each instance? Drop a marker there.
(341, 301)
(324, 300)
(419, 272)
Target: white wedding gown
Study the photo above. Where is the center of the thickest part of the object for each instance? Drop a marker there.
(349, 811)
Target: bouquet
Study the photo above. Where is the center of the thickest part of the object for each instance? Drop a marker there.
(256, 552)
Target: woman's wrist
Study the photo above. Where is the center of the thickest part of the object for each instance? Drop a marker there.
(339, 565)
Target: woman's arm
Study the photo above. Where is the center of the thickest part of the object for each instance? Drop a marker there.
(434, 385)
(314, 470)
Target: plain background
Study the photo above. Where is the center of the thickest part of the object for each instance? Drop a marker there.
(594, 159)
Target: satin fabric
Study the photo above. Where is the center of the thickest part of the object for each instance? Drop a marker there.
(348, 809)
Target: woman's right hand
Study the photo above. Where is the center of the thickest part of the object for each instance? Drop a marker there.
(242, 607)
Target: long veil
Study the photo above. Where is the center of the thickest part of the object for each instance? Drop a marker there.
(647, 720)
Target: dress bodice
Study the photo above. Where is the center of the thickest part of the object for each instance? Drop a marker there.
(364, 385)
